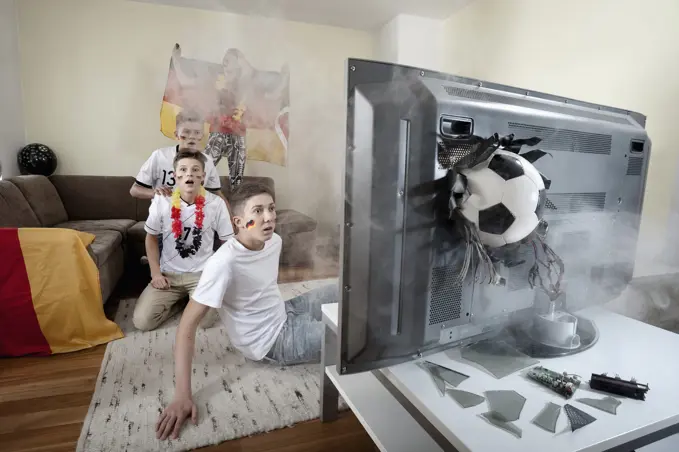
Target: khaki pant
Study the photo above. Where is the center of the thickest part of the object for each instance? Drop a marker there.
(154, 306)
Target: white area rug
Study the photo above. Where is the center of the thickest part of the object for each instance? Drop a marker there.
(235, 397)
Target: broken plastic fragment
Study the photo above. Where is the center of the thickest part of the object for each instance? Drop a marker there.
(607, 404)
(547, 418)
(534, 155)
(507, 404)
(577, 417)
(498, 421)
(465, 399)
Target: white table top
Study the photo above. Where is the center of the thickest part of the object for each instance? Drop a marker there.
(626, 347)
(330, 315)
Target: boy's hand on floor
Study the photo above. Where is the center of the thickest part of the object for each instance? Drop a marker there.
(174, 416)
(164, 191)
(160, 282)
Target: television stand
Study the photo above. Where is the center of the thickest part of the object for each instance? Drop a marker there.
(402, 410)
(519, 336)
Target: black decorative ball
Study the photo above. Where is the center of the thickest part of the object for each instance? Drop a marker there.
(37, 158)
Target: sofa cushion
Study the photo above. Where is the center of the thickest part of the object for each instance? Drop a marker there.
(96, 197)
(136, 240)
(15, 212)
(298, 249)
(121, 225)
(137, 232)
(293, 222)
(43, 199)
(105, 243)
(142, 209)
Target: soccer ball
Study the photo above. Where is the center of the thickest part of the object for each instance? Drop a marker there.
(504, 198)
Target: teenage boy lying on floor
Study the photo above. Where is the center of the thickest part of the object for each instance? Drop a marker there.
(241, 280)
(186, 225)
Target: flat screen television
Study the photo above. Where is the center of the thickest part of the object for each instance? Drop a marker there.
(400, 298)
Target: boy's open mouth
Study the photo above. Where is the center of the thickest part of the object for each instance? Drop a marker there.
(268, 229)
(189, 182)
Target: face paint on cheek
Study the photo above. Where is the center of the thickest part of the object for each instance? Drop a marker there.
(250, 224)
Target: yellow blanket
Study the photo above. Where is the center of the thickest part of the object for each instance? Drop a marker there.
(50, 298)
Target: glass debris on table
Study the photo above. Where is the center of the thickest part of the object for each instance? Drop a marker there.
(443, 375)
(497, 357)
(607, 404)
(577, 417)
(547, 417)
(464, 398)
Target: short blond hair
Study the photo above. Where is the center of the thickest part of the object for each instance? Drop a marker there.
(187, 116)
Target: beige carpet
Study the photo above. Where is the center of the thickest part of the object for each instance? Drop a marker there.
(235, 397)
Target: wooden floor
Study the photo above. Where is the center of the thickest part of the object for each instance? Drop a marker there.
(43, 403)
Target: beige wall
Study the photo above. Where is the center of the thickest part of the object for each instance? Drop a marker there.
(412, 41)
(94, 73)
(622, 53)
(12, 136)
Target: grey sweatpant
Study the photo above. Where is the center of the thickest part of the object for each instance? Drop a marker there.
(301, 337)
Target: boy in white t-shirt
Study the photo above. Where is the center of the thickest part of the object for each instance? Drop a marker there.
(157, 175)
(186, 224)
(241, 280)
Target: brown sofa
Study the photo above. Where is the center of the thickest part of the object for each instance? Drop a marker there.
(103, 206)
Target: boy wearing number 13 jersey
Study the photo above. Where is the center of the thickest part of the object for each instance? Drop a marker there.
(157, 175)
(186, 223)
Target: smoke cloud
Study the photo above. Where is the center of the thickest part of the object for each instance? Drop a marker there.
(596, 271)
(601, 249)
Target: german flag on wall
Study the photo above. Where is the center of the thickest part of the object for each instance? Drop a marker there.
(255, 103)
(50, 298)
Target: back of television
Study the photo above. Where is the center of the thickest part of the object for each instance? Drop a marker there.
(596, 164)
(402, 295)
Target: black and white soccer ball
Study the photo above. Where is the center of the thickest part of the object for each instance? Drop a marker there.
(504, 198)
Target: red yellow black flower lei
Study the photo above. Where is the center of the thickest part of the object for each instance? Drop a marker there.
(177, 223)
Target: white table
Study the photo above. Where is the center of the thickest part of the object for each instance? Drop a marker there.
(402, 410)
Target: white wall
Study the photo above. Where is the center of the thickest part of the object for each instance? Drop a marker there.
(94, 72)
(386, 42)
(12, 135)
(412, 41)
(622, 53)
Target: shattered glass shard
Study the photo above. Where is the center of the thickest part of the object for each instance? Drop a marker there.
(442, 375)
(497, 357)
(498, 421)
(465, 399)
(438, 381)
(577, 417)
(450, 376)
(507, 404)
(607, 404)
(440, 384)
(547, 418)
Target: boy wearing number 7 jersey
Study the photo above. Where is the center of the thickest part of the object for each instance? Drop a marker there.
(157, 175)
(186, 223)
